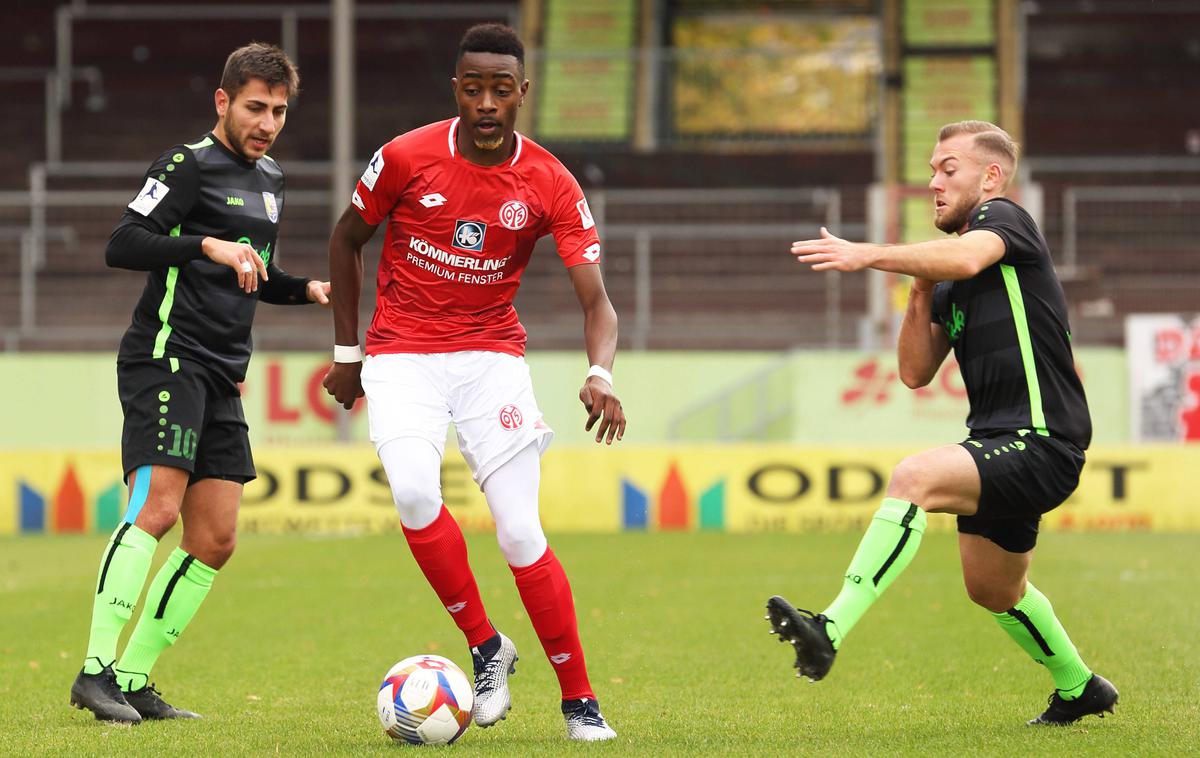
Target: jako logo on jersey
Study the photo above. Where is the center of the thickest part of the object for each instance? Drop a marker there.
(433, 201)
(513, 215)
(456, 607)
(560, 658)
(371, 175)
(592, 252)
(271, 206)
(153, 191)
(468, 235)
(511, 418)
(585, 214)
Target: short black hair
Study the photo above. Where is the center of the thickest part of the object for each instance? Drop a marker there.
(259, 60)
(492, 38)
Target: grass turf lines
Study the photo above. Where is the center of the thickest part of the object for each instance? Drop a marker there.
(288, 651)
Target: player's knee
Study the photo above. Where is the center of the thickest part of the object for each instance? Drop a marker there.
(523, 546)
(222, 549)
(989, 595)
(906, 483)
(417, 503)
(157, 517)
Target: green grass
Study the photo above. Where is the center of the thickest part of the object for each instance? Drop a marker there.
(286, 655)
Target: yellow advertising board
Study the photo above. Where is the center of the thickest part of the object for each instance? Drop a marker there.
(745, 488)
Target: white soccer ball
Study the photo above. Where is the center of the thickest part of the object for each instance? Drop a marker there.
(425, 700)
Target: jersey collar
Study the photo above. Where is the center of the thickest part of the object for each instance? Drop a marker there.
(454, 152)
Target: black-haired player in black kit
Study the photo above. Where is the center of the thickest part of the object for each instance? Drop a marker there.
(991, 293)
(204, 227)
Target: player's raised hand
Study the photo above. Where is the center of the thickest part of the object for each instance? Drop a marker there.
(344, 382)
(318, 292)
(603, 406)
(830, 253)
(240, 257)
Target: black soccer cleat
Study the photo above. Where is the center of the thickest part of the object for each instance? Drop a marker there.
(806, 631)
(149, 704)
(100, 694)
(1099, 697)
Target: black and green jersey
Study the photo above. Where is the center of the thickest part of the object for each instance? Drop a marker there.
(1009, 330)
(191, 307)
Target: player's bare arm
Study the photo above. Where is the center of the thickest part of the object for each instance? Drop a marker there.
(949, 259)
(240, 257)
(922, 345)
(345, 276)
(600, 336)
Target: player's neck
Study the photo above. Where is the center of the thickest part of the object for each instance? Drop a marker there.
(480, 157)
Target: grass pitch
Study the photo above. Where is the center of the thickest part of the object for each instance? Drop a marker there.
(286, 655)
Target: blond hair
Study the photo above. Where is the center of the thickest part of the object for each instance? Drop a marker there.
(990, 140)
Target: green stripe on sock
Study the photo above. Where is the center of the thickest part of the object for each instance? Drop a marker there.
(175, 594)
(1033, 626)
(123, 570)
(891, 541)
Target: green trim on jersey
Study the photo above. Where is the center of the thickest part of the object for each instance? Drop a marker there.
(206, 142)
(164, 309)
(1036, 414)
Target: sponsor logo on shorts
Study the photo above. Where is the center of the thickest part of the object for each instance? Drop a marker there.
(468, 235)
(513, 215)
(511, 418)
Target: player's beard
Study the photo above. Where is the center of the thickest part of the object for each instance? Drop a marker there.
(238, 144)
(489, 144)
(956, 217)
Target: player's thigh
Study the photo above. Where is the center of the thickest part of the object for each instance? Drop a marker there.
(494, 410)
(942, 480)
(994, 577)
(407, 398)
(210, 510)
(155, 495)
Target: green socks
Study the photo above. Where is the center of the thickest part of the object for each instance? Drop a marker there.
(1032, 625)
(886, 550)
(123, 572)
(175, 594)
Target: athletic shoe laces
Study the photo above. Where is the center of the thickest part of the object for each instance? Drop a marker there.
(488, 672)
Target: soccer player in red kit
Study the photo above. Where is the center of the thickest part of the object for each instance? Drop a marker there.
(464, 201)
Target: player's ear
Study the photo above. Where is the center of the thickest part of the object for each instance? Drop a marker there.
(221, 101)
(524, 91)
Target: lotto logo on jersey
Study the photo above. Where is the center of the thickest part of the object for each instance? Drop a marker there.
(511, 418)
(513, 215)
(371, 175)
(468, 235)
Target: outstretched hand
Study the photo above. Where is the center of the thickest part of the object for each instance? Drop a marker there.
(603, 406)
(830, 253)
(318, 292)
(239, 256)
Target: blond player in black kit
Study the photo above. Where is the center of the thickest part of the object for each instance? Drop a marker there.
(204, 226)
(990, 292)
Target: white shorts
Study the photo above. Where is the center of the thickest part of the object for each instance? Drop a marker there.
(488, 396)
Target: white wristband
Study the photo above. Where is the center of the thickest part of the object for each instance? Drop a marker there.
(347, 354)
(601, 372)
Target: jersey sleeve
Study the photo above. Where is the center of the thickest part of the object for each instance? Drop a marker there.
(1006, 220)
(571, 222)
(149, 234)
(941, 303)
(382, 182)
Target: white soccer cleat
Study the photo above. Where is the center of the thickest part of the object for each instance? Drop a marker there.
(584, 722)
(493, 663)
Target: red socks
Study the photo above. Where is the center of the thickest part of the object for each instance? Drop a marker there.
(441, 553)
(547, 597)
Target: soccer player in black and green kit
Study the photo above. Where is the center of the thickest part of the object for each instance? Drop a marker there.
(204, 227)
(992, 295)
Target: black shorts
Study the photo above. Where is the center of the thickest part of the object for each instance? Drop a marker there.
(178, 414)
(1023, 475)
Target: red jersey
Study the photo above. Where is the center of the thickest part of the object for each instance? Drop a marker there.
(458, 237)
